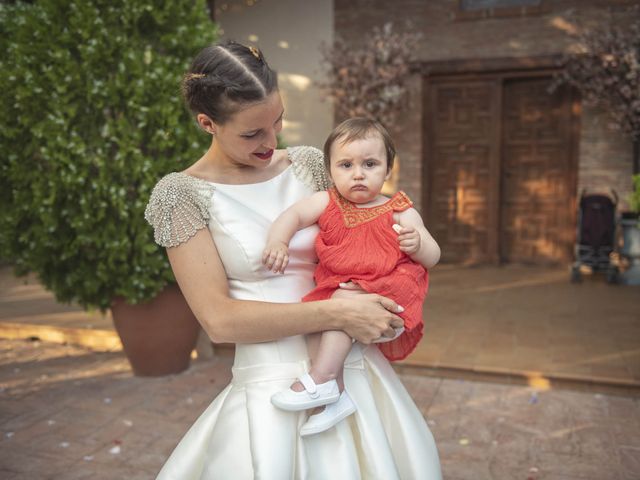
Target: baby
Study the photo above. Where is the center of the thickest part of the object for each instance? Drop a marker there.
(366, 241)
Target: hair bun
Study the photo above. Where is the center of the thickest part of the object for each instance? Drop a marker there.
(224, 76)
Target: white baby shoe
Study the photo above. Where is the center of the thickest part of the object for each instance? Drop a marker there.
(399, 331)
(312, 396)
(330, 416)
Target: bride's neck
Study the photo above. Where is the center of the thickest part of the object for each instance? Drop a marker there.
(217, 166)
(220, 164)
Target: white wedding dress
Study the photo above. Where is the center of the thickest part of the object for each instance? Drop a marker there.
(241, 435)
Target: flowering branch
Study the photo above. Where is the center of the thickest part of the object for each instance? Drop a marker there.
(370, 80)
(607, 73)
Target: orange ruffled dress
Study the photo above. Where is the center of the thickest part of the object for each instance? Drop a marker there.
(359, 244)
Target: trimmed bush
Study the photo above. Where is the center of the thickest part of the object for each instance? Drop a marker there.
(634, 198)
(91, 119)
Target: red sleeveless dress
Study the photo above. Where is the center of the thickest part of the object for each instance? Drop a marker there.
(359, 244)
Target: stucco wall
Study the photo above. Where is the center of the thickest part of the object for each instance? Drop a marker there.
(289, 32)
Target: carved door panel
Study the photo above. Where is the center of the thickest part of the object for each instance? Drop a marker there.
(500, 170)
(461, 147)
(537, 219)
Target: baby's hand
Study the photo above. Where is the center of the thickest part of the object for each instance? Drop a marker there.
(276, 256)
(408, 238)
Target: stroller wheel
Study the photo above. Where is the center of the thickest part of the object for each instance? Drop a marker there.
(576, 277)
(612, 275)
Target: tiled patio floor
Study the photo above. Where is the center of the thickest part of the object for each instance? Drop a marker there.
(520, 321)
(531, 322)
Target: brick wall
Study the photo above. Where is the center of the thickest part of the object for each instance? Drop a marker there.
(407, 135)
(604, 158)
(447, 38)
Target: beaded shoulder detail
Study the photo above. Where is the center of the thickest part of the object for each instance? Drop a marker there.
(308, 167)
(354, 216)
(178, 208)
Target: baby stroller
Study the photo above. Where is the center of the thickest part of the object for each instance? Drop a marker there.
(596, 235)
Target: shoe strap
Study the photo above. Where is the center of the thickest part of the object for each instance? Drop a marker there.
(309, 385)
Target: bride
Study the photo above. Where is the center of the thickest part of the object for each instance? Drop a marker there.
(213, 218)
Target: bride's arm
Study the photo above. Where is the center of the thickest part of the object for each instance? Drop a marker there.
(202, 279)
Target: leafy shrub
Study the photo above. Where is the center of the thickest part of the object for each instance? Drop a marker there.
(92, 118)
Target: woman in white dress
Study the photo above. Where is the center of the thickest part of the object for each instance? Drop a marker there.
(213, 218)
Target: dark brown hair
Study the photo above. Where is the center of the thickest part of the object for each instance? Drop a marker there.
(225, 76)
(358, 128)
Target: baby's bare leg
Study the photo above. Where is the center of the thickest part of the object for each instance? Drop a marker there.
(335, 345)
(329, 361)
(313, 342)
(328, 350)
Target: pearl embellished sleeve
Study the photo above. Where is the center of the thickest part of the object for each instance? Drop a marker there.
(178, 208)
(308, 167)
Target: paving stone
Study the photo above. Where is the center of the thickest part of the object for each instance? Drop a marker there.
(31, 464)
(504, 465)
(8, 475)
(483, 430)
(630, 463)
(577, 466)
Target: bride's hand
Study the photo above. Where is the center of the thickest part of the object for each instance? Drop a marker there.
(367, 316)
(350, 285)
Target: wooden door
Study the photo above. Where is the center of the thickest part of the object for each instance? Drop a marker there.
(537, 174)
(462, 150)
(501, 174)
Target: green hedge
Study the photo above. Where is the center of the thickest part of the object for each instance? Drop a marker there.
(91, 119)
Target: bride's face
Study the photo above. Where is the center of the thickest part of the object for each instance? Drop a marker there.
(249, 137)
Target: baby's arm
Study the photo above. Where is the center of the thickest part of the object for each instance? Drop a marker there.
(300, 215)
(415, 240)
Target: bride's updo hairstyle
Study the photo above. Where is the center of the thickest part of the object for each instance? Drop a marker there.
(225, 76)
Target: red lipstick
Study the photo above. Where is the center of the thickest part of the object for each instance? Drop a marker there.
(266, 155)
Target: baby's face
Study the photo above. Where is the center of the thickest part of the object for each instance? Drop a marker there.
(359, 168)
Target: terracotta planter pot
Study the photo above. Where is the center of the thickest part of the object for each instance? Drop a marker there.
(158, 336)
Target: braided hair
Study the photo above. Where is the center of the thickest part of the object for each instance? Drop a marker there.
(224, 76)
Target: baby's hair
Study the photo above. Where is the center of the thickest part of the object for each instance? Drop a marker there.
(225, 76)
(358, 128)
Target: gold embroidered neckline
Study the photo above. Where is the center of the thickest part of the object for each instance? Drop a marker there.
(354, 216)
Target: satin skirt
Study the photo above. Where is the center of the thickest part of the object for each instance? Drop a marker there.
(241, 435)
